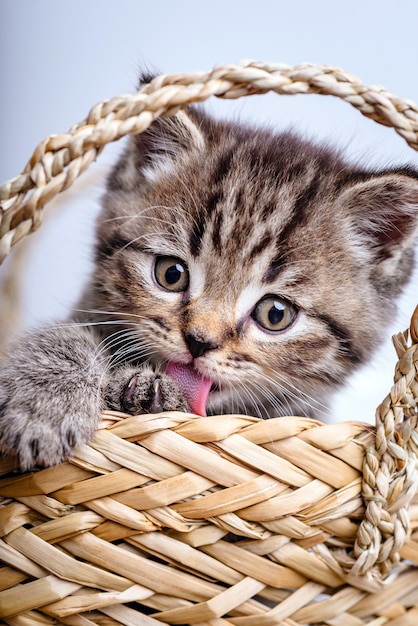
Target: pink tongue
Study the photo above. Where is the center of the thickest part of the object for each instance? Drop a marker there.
(195, 388)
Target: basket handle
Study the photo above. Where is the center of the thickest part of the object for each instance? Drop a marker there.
(390, 476)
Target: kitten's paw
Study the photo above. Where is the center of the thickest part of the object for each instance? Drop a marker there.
(144, 391)
(50, 395)
(37, 440)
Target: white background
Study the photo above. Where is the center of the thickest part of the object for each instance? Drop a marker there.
(58, 58)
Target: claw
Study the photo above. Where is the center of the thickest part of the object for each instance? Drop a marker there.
(156, 403)
(34, 445)
(71, 438)
(129, 393)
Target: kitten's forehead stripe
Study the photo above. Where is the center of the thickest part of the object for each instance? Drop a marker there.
(298, 219)
(196, 234)
(268, 209)
(307, 195)
(239, 199)
(211, 202)
(261, 246)
(222, 168)
(216, 231)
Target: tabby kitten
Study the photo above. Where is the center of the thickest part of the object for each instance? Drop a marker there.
(236, 270)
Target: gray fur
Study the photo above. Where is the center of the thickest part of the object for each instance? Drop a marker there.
(251, 214)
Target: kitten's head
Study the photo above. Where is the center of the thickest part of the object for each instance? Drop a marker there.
(265, 261)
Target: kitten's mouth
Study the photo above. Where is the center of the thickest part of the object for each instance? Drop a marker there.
(194, 386)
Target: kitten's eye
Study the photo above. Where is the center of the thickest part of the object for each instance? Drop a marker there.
(274, 313)
(171, 273)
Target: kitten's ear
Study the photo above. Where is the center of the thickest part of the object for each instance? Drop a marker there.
(383, 212)
(158, 148)
(167, 136)
(166, 139)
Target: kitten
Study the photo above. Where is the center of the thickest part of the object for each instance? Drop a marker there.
(236, 270)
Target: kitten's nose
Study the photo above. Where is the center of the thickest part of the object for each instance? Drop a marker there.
(198, 346)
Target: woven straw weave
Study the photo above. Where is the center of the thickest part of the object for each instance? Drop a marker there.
(226, 520)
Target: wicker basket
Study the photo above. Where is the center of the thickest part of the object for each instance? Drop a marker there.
(227, 520)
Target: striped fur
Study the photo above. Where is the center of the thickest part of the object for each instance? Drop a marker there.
(253, 213)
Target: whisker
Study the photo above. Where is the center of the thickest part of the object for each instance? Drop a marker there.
(134, 352)
(160, 235)
(142, 213)
(104, 312)
(293, 391)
